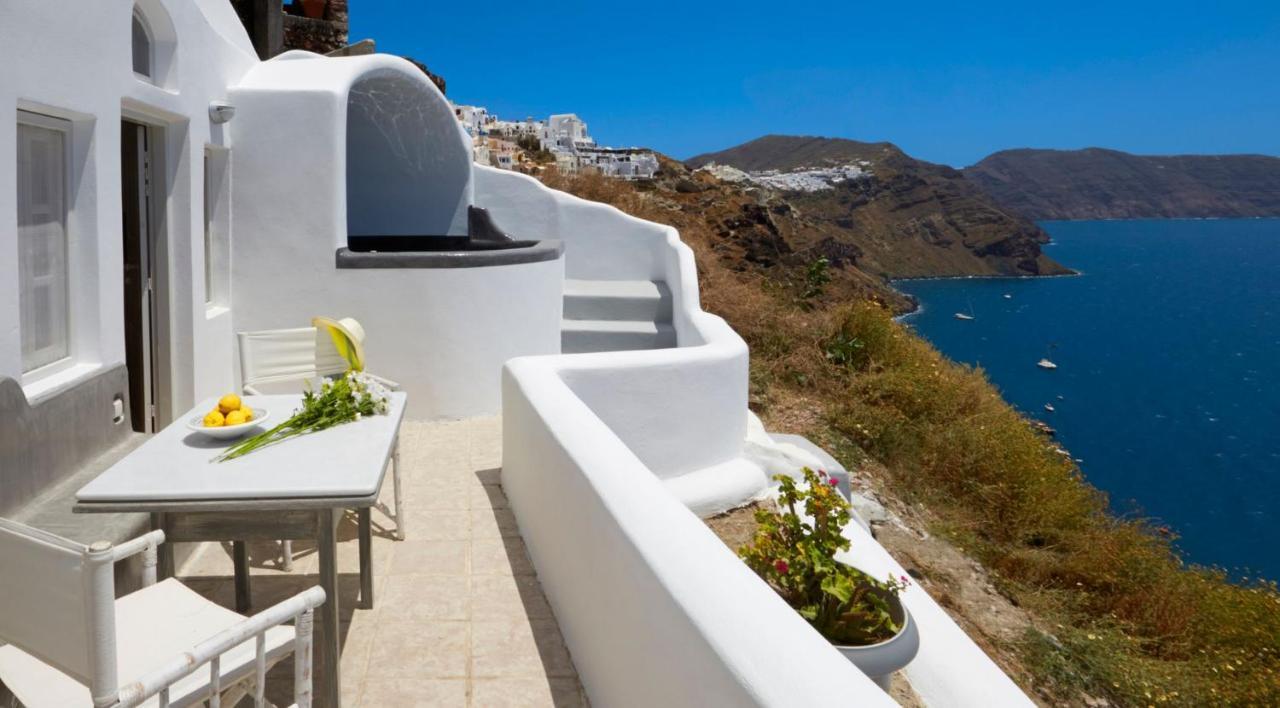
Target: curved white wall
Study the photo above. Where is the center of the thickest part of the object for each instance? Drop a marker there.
(443, 333)
(656, 611)
(601, 243)
(679, 409)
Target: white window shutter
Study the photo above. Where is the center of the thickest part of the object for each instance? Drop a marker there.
(42, 245)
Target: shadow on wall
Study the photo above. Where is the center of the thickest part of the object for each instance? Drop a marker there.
(408, 173)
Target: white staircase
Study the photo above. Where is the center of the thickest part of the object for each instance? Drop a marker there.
(615, 315)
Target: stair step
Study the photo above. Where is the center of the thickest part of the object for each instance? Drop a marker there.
(578, 336)
(623, 300)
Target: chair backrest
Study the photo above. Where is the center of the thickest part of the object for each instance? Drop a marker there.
(283, 355)
(57, 603)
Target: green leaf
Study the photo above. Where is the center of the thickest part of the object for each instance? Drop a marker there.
(838, 586)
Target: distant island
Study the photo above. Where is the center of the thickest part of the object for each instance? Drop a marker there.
(1107, 184)
(873, 207)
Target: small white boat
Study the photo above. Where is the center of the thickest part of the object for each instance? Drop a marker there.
(1049, 407)
(1007, 296)
(963, 316)
(1046, 364)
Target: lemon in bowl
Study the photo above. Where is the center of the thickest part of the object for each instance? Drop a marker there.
(230, 418)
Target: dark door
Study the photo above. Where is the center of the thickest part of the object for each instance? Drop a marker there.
(135, 161)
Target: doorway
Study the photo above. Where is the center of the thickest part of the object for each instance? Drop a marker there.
(138, 167)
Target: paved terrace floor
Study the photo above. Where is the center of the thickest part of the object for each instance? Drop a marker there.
(459, 617)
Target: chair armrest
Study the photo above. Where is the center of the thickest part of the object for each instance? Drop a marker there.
(212, 648)
(145, 544)
(384, 381)
(133, 547)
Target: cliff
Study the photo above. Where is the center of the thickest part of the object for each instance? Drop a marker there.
(872, 206)
(1108, 184)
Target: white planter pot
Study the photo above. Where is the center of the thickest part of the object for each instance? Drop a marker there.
(879, 661)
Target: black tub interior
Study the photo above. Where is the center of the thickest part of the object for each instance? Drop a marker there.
(482, 235)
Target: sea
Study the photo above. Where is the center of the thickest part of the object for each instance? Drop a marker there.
(1167, 386)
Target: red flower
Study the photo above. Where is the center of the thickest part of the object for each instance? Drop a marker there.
(781, 566)
(832, 481)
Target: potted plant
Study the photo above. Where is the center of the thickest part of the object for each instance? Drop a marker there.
(795, 554)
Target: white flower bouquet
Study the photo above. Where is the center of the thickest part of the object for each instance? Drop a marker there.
(342, 400)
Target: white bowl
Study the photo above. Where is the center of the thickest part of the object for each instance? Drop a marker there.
(226, 432)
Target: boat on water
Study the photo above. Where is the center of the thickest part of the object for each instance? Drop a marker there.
(1008, 296)
(1049, 407)
(1046, 362)
(963, 316)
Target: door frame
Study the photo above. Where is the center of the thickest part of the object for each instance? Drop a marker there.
(157, 317)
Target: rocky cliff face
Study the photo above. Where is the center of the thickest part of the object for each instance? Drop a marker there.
(892, 216)
(1107, 184)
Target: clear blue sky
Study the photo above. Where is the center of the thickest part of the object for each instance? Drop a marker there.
(946, 81)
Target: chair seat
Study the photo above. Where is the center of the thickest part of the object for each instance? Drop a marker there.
(153, 625)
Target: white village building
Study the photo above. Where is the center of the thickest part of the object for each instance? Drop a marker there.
(162, 189)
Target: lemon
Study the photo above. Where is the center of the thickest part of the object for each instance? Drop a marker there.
(214, 419)
(235, 417)
(228, 403)
(247, 411)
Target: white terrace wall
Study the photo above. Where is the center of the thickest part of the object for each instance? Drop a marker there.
(680, 409)
(655, 610)
(72, 60)
(601, 243)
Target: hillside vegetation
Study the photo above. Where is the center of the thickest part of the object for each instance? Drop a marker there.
(1108, 184)
(1118, 618)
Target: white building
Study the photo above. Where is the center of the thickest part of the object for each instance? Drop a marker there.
(474, 119)
(514, 129)
(162, 189)
(566, 131)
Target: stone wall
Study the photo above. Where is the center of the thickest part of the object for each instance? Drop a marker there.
(322, 35)
(275, 27)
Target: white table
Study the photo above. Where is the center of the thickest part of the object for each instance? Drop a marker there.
(297, 489)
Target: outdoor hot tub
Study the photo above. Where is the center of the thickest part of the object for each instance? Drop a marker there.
(484, 245)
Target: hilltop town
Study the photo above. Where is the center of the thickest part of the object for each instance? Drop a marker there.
(561, 140)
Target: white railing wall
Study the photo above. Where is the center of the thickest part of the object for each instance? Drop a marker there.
(654, 608)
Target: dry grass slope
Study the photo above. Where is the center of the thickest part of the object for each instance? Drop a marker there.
(1119, 616)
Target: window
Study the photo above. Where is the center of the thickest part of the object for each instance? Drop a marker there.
(217, 226)
(141, 46)
(42, 240)
(208, 234)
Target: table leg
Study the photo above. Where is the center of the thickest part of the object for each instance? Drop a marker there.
(326, 654)
(364, 514)
(240, 551)
(164, 566)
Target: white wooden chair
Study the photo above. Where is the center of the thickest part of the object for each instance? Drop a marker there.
(289, 356)
(72, 644)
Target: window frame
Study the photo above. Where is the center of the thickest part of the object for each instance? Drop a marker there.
(65, 128)
(141, 20)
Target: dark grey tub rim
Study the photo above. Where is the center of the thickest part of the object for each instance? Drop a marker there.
(548, 250)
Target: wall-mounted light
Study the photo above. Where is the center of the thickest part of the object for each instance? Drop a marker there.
(221, 111)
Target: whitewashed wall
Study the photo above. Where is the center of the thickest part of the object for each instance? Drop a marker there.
(73, 60)
(443, 333)
(655, 610)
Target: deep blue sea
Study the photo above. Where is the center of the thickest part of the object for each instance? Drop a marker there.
(1168, 379)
